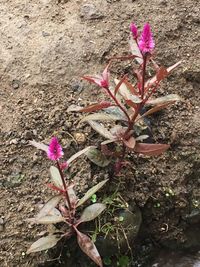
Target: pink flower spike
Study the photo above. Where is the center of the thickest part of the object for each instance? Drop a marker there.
(64, 165)
(134, 30)
(146, 42)
(54, 151)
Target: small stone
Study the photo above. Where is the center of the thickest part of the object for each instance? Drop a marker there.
(15, 84)
(14, 141)
(80, 138)
(89, 12)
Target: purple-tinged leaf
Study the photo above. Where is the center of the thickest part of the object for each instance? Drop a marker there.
(96, 106)
(130, 143)
(92, 211)
(48, 206)
(100, 117)
(135, 50)
(44, 243)
(89, 248)
(131, 87)
(48, 219)
(97, 157)
(91, 192)
(171, 68)
(99, 128)
(150, 149)
(119, 84)
(72, 195)
(164, 99)
(40, 146)
(78, 154)
(73, 107)
(56, 178)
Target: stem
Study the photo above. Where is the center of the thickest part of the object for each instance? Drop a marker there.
(64, 185)
(143, 74)
(118, 104)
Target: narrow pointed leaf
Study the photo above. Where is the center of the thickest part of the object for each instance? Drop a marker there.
(119, 84)
(72, 195)
(91, 192)
(130, 143)
(135, 50)
(97, 106)
(97, 157)
(164, 99)
(56, 178)
(92, 211)
(49, 205)
(74, 108)
(150, 149)
(49, 219)
(89, 248)
(161, 74)
(44, 243)
(100, 117)
(99, 128)
(39, 145)
(131, 87)
(78, 154)
(156, 109)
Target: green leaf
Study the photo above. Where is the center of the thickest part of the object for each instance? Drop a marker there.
(44, 243)
(92, 211)
(56, 178)
(97, 157)
(91, 192)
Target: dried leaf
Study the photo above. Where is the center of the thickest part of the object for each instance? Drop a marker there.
(150, 149)
(99, 128)
(78, 154)
(100, 117)
(39, 145)
(56, 178)
(164, 99)
(91, 192)
(97, 157)
(135, 50)
(130, 143)
(89, 248)
(49, 205)
(96, 106)
(44, 243)
(92, 211)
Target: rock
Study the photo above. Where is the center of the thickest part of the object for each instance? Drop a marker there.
(80, 138)
(15, 84)
(89, 12)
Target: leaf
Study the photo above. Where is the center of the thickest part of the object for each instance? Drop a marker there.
(74, 108)
(92, 211)
(156, 109)
(130, 143)
(56, 178)
(142, 137)
(131, 87)
(72, 195)
(49, 219)
(49, 205)
(124, 91)
(78, 154)
(150, 149)
(99, 128)
(39, 145)
(161, 74)
(171, 68)
(100, 117)
(89, 248)
(96, 106)
(116, 111)
(91, 192)
(164, 99)
(44, 243)
(119, 84)
(97, 157)
(135, 50)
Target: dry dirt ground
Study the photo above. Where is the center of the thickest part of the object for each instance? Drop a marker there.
(45, 47)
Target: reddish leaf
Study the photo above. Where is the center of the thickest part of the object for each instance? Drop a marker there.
(131, 87)
(150, 149)
(97, 106)
(119, 84)
(130, 143)
(89, 248)
(161, 74)
(131, 104)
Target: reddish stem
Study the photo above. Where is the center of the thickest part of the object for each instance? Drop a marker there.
(64, 185)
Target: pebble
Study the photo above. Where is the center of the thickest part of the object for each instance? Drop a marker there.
(15, 84)
(80, 138)
(89, 12)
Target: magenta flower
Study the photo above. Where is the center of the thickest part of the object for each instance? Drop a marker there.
(134, 30)
(100, 80)
(146, 42)
(54, 151)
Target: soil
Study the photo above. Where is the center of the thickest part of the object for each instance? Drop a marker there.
(46, 46)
